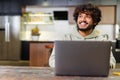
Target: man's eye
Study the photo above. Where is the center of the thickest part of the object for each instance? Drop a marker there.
(79, 16)
(88, 16)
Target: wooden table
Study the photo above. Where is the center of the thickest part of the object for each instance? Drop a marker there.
(43, 73)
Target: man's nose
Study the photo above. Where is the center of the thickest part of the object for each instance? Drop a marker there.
(83, 18)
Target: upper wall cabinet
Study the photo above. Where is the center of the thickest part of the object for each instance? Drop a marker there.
(70, 15)
(98, 2)
(46, 2)
(15, 7)
(108, 2)
(38, 2)
(108, 15)
(76, 2)
(60, 2)
(10, 7)
(67, 2)
(29, 2)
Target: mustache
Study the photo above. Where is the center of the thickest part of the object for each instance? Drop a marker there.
(83, 22)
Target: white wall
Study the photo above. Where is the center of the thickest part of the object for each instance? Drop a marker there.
(59, 27)
(107, 29)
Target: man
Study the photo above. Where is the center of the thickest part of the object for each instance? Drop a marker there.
(86, 16)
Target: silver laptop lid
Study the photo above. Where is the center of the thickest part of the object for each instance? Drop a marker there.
(85, 58)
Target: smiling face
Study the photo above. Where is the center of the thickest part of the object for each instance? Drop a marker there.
(85, 22)
(87, 16)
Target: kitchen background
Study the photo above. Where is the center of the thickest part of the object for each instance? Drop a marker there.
(59, 25)
(53, 18)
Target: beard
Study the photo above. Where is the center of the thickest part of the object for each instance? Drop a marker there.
(85, 29)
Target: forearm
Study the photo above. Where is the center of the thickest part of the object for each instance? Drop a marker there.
(52, 59)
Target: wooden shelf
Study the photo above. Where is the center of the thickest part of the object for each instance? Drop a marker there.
(33, 19)
(34, 23)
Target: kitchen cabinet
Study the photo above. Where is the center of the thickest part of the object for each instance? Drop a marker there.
(39, 53)
(1, 8)
(10, 7)
(15, 7)
(118, 14)
(38, 2)
(67, 2)
(108, 2)
(60, 2)
(70, 15)
(25, 50)
(108, 15)
(76, 2)
(117, 51)
(46, 2)
(117, 56)
(29, 2)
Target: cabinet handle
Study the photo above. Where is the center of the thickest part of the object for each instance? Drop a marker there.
(7, 29)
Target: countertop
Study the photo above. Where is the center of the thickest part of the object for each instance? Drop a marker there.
(44, 73)
(40, 41)
(45, 36)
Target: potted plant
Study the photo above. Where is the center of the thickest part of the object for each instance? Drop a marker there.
(35, 33)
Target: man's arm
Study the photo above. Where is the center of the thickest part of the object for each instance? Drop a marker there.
(52, 59)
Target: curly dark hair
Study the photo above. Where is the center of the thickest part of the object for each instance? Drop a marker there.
(91, 9)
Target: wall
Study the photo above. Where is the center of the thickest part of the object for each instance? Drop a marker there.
(53, 31)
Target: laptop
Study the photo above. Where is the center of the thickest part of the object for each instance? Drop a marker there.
(82, 58)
